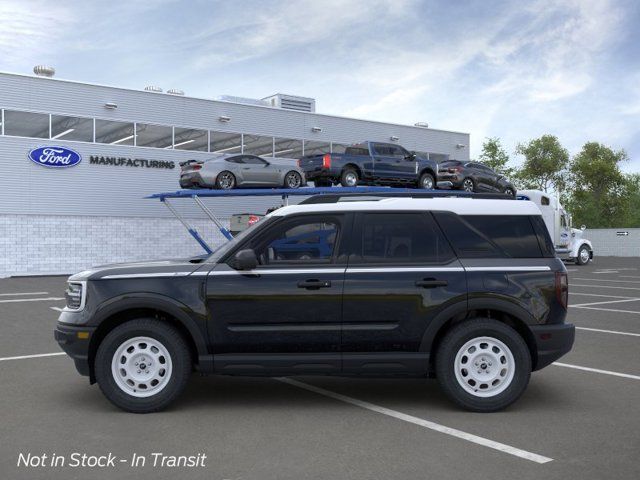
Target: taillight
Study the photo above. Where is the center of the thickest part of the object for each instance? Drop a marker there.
(253, 219)
(562, 288)
(455, 170)
(298, 162)
(326, 161)
(197, 166)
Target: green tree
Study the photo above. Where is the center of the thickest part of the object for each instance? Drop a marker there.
(600, 194)
(495, 156)
(633, 194)
(545, 164)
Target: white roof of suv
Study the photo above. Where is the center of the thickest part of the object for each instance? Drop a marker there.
(461, 206)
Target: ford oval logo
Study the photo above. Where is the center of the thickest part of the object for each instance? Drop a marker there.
(55, 157)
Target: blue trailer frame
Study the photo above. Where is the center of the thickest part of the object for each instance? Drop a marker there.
(284, 193)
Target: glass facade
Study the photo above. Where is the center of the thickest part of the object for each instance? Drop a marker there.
(115, 132)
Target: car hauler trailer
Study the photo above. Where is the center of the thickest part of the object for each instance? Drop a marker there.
(320, 195)
(568, 241)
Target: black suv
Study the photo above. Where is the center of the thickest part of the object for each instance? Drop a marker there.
(417, 287)
(474, 177)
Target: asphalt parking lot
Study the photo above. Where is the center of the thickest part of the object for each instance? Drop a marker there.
(578, 419)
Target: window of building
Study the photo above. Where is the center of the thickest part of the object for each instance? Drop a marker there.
(71, 128)
(191, 139)
(258, 145)
(338, 147)
(26, 124)
(404, 238)
(287, 148)
(302, 241)
(114, 133)
(224, 142)
(157, 136)
(316, 148)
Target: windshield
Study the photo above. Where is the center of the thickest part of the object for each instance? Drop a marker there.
(227, 246)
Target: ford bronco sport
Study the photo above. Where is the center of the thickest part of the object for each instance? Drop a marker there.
(467, 290)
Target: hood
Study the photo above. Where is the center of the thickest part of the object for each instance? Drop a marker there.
(183, 266)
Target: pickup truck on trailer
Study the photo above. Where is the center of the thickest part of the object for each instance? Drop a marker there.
(371, 163)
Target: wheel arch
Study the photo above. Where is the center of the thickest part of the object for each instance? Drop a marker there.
(354, 167)
(119, 310)
(503, 311)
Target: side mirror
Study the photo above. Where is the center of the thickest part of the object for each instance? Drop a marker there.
(583, 227)
(245, 260)
(411, 156)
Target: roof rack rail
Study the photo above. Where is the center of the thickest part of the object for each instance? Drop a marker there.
(376, 196)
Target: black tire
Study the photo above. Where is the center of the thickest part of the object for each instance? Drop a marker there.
(509, 191)
(290, 183)
(452, 345)
(225, 180)
(580, 259)
(347, 176)
(468, 185)
(180, 360)
(322, 182)
(427, 181)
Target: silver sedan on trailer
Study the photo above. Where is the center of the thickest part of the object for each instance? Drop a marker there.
(241, 170)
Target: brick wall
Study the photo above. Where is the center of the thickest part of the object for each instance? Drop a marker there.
(44, 244)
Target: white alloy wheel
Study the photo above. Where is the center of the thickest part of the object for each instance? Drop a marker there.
(484, 367)
(141, 367)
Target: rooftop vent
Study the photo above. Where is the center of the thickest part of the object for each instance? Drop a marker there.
(175, 91)
(44, 71)
(291, 102)
(244, 100)
(153, 88)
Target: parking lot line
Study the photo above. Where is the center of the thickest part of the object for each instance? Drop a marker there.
(23, 293)
(608, 331)
(39, 355)
(534, 457)
(605, 302)
(607, 280)
(605, 286)
(597, 295)
(57, 309)
(608, 310)
(16, 300)
(597, 370)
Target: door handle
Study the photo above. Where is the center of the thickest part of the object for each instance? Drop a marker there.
(314, 284)
(431, 283)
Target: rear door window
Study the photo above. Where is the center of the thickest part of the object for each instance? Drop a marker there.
(467, 241)
(400, 238)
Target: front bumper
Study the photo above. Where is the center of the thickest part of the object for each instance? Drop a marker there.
(74, 340)
(552, 342)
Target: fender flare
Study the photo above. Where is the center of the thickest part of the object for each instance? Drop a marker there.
(155, 301)
(463, 307)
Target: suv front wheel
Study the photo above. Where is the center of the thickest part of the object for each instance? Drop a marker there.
(142, 365)
(483, 365)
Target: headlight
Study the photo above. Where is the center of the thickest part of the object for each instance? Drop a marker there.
(75, 295)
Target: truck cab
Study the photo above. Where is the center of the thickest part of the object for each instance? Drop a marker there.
(568, 241)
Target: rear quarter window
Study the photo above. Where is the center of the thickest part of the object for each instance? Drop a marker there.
(514, 234)
(491, 236)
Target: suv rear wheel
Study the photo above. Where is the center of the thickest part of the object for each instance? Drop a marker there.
(483, 365)
(142, 365)
(468, 185)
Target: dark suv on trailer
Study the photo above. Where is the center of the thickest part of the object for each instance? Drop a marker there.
(373, 287)
(474, 177)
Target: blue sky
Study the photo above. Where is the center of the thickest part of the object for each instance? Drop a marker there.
(515, 70)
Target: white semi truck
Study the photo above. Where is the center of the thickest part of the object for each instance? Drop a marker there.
(568, 241)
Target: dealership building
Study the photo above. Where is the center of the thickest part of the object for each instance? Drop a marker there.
(129, 144)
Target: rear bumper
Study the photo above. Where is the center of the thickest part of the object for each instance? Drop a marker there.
(320, 173)
(191, 180)
(552, 342)
(454, 180)
(74, 345)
